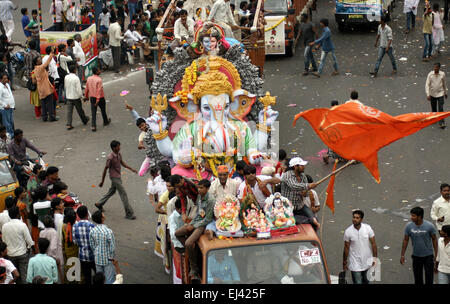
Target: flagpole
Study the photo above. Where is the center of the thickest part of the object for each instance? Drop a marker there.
(337, 171)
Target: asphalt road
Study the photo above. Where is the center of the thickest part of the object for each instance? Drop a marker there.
(411, 169)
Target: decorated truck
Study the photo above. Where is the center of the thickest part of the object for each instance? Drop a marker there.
(354, 12)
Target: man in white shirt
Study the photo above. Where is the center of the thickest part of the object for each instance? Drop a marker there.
(17, 237)
(385, 37)
(183, 30)
(72, 85)
(436, 90)
(256, 185)
(221, 14)
(79, 56)
(4, 216)
(71, 18)
(7, 104)
(12, 274)
(56, 11)
(360, 249)
(104, 19)
(440, 210)
(175, 222)
(442, 266)
(114, 33)
(132, 37)
(410, 9)
(149, 10)
(223, 186)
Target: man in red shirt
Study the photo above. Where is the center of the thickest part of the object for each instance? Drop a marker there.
(94, 92)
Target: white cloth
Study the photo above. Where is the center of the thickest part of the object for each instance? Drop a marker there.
(4, 218)
(41, 205)
(440, 208)
(360, 256)
(72, 85)
(218, 192)
(221, 12)
(58, 10)
(70, 14)
(104, 19)
(119, 276)
(63, 60)
(443, 256)
(131, 38)
(6, 97)
(307, 201)
(180, 32)
(6, 10)
(354, 100)
(156, 186)
(106, 57)
(79, 53)
(260, 197)
(9, 269)
(8, 25)
(435, 85)
(52, 67)
(174, 223)
(17, 237)
(114, 32)
(59, 221)
(408, 6)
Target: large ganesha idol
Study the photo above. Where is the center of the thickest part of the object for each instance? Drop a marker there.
(211, 126)
(227, 214)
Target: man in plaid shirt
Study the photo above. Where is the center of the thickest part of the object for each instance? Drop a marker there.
(103, 244)
(80, 232)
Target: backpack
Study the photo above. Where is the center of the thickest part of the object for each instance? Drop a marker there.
(61, 72)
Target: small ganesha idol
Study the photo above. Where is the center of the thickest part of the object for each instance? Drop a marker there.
(279, 211)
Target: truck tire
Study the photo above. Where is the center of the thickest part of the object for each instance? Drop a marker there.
(341, 27)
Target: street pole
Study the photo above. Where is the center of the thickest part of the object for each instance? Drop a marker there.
(40, 15)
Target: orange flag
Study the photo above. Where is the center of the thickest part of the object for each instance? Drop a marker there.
(330, 190)
(356, 131)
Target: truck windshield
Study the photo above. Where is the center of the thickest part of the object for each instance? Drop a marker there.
(5, 175)
(280, 263)
(276, 7)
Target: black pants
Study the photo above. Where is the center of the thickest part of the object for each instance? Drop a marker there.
(48, 108)
(86, 270)
(437, 105)
(421, 263)
(446, 10)
(102, 105)
(79, 107)
(116, 57)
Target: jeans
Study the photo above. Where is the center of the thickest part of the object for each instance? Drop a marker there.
(360, 277)
(131, 9)
(8, 120)
(86, 270)
(77, 104)
(322, 60)
(188, 239)
(381, 53)
(428, 45)
(48, 108)
(309, 58)
(443, 278)
(102, 105)
(437, 105)
(116, 57)
(109, 271)
(421, 263)
(21, 263)
(116, 184)
(410, 19)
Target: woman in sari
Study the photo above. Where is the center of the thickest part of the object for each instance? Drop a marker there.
(34, 98)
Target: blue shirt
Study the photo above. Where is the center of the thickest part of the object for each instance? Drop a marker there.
(43, 265)
(103, 244)
(421, 238)
(325, 40)
(80, 234)
(225, 270)
(25, 22)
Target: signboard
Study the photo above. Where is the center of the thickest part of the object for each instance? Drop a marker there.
(88, 43)
(309, 256)
(274, 35)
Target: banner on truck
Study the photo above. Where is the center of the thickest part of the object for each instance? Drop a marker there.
(274, 35)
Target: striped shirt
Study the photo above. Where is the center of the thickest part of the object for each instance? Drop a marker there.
(80, 234)
(103, 244)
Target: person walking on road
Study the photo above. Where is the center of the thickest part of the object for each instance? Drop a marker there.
(74, 93)
(114, 164)
(440, 210)
(438, 30)
(94, 92)
(436, 90)
(424, 241)
(309, 33)
(427, 32)
(384, 36)
(410, 9)
(360, 248)
(327, 47)
(442, 266)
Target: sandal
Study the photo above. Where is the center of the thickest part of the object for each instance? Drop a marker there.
(94, 129)
(69, 127)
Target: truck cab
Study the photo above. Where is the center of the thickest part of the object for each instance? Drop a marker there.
(296, 258)
(354, 12)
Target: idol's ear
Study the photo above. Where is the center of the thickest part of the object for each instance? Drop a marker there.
(184, 105)
(242, 103)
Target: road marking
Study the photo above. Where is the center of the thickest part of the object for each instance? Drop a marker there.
(122, 78)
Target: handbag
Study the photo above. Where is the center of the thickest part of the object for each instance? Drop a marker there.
(30, 85)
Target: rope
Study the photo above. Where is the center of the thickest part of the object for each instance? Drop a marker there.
(276, 24)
